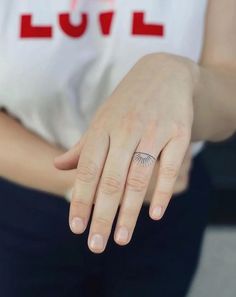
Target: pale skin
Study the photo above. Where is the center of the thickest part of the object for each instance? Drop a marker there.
(27, 159)
(204, 109)
(162, 104)
(19, 164)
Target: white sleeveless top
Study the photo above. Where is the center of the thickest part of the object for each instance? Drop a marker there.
(59, 60)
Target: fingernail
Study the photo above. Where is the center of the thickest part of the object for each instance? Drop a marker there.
(122, 235)
(157, 212)
(97, 242)
(77, 225)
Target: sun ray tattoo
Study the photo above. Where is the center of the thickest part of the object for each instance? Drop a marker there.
(144, 159)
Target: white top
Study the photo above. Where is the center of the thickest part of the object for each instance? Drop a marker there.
(58, 64)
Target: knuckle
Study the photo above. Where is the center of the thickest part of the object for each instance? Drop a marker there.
(101, 133)
(163, 195)
(76, 203)
(169, 172)
(130, 124)
(102, 222)
(137, 183)
(130, 213)
(182, 131)
(87, 171)
(111, 184)
(130, 117)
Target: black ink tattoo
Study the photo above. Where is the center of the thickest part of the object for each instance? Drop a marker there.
(144, 159)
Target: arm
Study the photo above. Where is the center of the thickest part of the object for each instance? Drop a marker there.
(214, 78)
(28, 160)
(215, 92)
(160, 106)
(19, 164)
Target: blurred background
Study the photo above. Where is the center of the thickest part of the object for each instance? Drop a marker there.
(216, 276)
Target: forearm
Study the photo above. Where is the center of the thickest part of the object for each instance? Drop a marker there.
(213, 93)
(214, 104)
(27, 159)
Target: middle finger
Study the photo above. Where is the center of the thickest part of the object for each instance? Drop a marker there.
(109, 193)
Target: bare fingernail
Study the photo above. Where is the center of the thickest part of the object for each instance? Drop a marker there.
(97, 242)
(156, 212)
(122, 235)
(77, 225)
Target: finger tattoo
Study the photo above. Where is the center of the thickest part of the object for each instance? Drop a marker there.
(144, 159)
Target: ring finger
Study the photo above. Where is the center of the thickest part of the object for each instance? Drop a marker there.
(141, 169)
(109, 193)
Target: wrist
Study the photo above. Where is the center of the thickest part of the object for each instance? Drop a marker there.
(183, 72)
(179, 66)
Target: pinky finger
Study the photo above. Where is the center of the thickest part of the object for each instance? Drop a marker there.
(171, 160)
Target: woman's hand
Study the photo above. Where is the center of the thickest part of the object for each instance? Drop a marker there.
(148, 118)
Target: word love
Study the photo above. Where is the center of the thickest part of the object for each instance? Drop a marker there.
(105, 20)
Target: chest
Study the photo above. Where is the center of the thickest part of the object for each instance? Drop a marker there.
(45, 19)
(49, 50)
(137, 25)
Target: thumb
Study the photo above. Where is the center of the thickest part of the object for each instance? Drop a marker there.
(68, 160)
